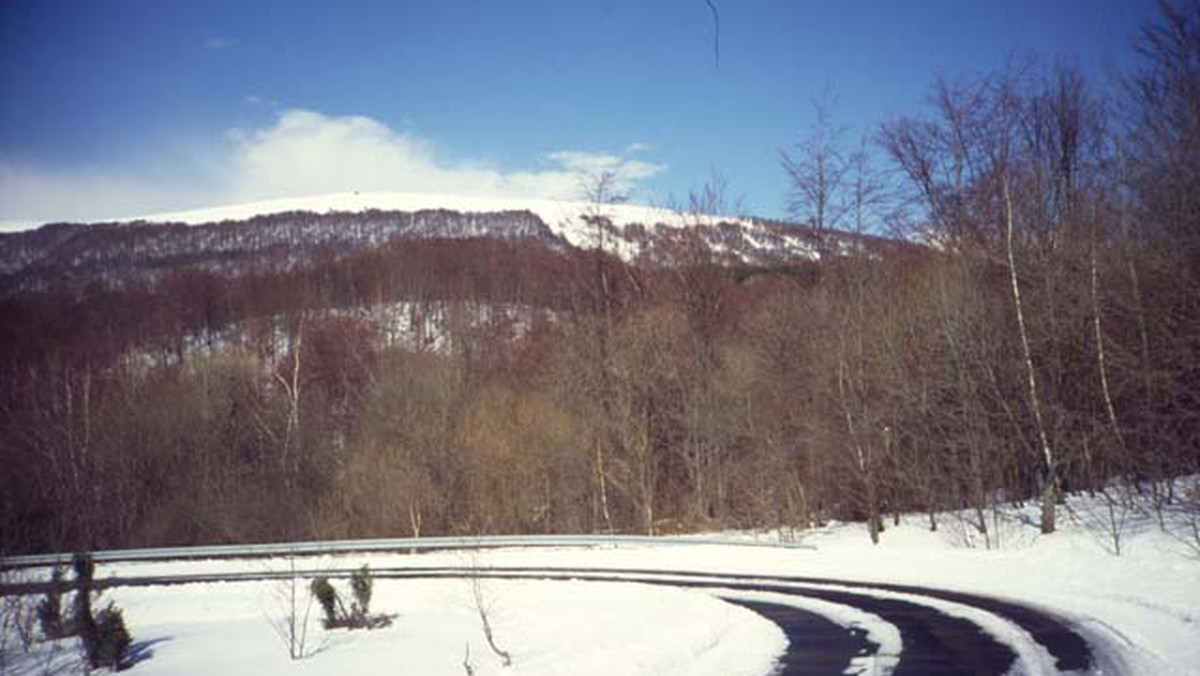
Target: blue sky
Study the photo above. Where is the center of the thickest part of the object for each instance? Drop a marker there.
(118, 108)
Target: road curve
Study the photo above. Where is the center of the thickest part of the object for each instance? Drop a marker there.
(934, 643)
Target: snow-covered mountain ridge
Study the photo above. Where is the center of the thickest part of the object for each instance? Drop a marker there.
(563, 217)
(284, 232)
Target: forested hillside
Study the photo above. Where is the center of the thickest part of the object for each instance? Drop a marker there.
(1046, 339)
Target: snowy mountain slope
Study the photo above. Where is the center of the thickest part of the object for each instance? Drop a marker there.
(136, 249)
(280, 234)
(7, 225)
(561, 216)
(633, 233)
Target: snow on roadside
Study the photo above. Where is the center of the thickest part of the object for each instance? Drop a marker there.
(549, 628)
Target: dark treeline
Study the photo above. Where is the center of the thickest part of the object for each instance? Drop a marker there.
(1048, 341)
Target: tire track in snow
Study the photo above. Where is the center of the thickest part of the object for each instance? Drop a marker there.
(881, 644)
(816, 645)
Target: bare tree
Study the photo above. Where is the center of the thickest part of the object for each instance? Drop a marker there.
(1161, 166)
(703, 287)
(290, 616)
(483, 604)
(602, 191)
(965, 164)
(817, 169)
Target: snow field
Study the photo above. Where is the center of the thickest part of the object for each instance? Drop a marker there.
(549, 628)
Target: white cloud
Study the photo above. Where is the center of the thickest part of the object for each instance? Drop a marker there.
(303, 152)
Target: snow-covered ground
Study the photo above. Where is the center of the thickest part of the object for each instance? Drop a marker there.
(548, 628)
(1141, 608)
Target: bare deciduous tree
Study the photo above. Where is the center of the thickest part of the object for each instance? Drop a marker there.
(817, 168)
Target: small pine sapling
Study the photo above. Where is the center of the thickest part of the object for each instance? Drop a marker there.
(49, 610)
(331, 604)
(359, 617)
(82, 622)
(361, 584)
(105, 638)
(110, 642)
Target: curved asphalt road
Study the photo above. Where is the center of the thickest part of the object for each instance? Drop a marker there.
(934, 643)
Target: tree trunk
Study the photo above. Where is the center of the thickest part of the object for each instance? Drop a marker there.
(1050, 475)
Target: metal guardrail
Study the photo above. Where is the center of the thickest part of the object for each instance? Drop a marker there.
(386, 544)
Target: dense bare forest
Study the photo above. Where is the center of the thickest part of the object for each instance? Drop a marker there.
(1046, 339)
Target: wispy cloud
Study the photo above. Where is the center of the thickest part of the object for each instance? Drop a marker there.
(302, 152)
(219, 44)
(33, 195)
(260, 102)
(626, 172)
